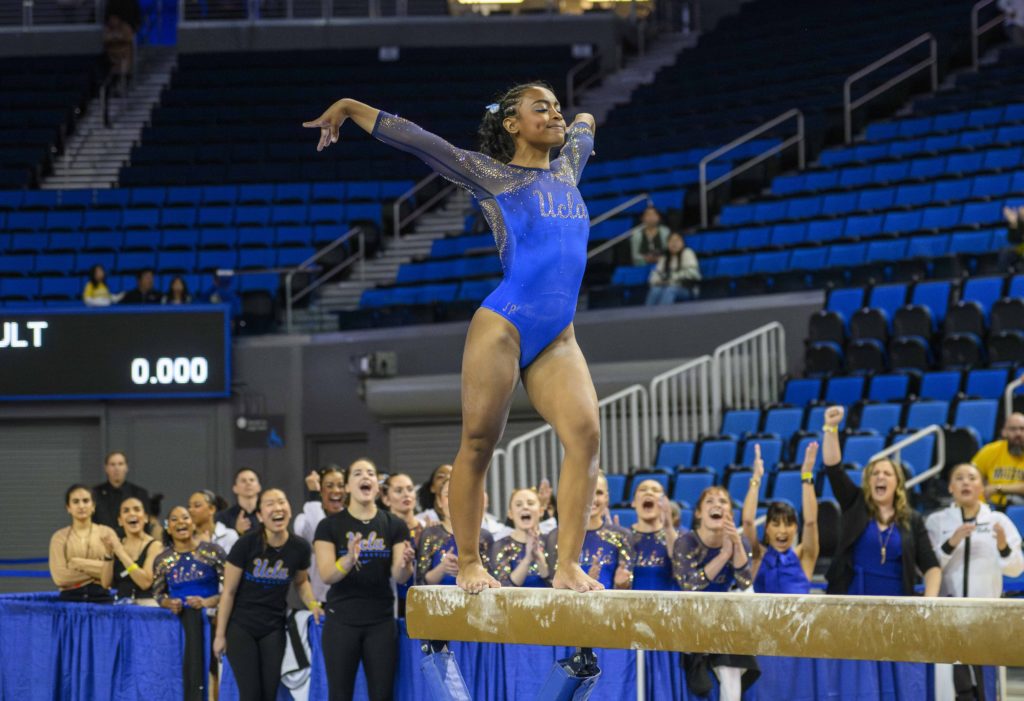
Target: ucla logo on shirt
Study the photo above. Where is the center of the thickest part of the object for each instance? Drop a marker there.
(570, 209)
(265, 573)
(371, 546)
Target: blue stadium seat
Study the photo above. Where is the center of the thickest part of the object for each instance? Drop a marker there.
(252, 216)
(980, 414)
(717, 454)
(927, 412)
(940, 217)
(839, 203)
(928, 246)
(25, 221)
(689, 485)
(104, 241)
(934, 296)
(292, 236)
(256, 194)
(943, 385)
(800, 450)
(631, 275)
(210, 261)
(19, 288)
(901, 222)
(134, 262)
(976, 242)
(771, 452)
(101, 220)
(221, 194)
(28, 243)
(176, 261)
(816, 419)
(918, 456)
(845, 301)
(625, 517)
(616, 488)
(140, 219)
(991, 185)
(63, 221)
(476, 290)
(185, 196)
(148, 197)
(887, 299)
(216, 216)
(987, 384)
(986, 291)
(65, 288)
(783, 421)
(674, 454)
(859, 449)
(292, 193)
(333, 214)
(16, 264)
(787, 485)
(179, 239)
(808, 258)
(328, 192)
(289, 214)
(256, 237)
(914, 195)
(260, 282)
(218, 238)
(753, 237)
(115, 198)
(846, 391)
(737, 423)
(880, 418)
(801, 391)
(982, 213)
(885, 388)
(142, 240)
(292, 257)
(739, 484)
(256, 258)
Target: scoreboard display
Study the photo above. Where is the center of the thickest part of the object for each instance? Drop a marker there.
(115, 353)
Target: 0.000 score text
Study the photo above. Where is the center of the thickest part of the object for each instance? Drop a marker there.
(170, 371)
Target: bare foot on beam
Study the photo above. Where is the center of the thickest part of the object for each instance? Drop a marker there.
(473, 578)
(573, 577)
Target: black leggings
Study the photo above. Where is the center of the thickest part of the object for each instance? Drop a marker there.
(255, 662)
(194, 670)
(344, 645)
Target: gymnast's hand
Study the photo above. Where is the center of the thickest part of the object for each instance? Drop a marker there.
(313, 481)
(623, 579)
(195, 602)
(450, 563)
(758, 463)
(834, 416)
(329, 123)
(595, 566)
(174, 605)
(220, 646)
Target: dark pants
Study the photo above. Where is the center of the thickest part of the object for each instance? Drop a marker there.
(255, 662)
(345, 645)
(194, 671)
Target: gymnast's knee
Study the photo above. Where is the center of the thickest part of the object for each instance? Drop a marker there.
(584, 443)
(478, 447)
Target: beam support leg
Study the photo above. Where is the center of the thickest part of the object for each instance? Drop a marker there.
(444, 680)
(572, 679)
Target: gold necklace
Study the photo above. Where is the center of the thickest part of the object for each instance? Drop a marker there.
(890, 529)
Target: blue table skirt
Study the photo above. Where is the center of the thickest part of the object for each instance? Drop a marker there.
(55, 651)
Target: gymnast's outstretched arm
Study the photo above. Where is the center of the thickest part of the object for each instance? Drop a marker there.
(481, 175)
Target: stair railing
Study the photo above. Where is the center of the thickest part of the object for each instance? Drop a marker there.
(747, 371)
(614, 211)
(978, 29)
(797, 139)
(940, 452)
(571, 88)
(681, 400)
(500, 481)
(1008, 395)
(931, 62)
(311, 265)
(396, 209)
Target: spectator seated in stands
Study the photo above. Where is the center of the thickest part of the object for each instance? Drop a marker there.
(110, 495)
(79, 563)
(1010, 257)
(676, 275)
(144, 292)
(178, 292)
(1002, 464)
(96, 292)
(222, 292)
(648, 239)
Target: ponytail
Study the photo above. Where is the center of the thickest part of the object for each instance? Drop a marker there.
(495, 141)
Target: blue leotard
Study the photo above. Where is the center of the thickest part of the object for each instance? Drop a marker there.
(781, 573)
(538, 217)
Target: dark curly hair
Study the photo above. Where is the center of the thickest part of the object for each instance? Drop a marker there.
(495, 141)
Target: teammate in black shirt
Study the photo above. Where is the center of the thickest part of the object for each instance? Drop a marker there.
(358, 552)
(251, 621)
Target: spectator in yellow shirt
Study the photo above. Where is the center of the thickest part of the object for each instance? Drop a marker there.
(1002, 464)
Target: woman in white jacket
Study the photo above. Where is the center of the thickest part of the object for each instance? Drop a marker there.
(975, 546)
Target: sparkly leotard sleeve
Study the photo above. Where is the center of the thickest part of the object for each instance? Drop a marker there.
(538, 217)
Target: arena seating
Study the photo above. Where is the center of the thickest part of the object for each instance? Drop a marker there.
(40, 99)
(920, 196)
(688, 105)
(237, 117)
(52, 238)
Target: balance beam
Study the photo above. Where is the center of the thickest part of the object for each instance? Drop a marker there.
(904, 629)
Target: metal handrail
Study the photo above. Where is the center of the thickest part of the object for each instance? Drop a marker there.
(570, 80)
(675, 390)
(759, 383)
(977, 31)
(798, 139)
(932, 61)
(499, 480)
(396, 209)
(1008, 395)
(605, 216)
(940, 452)
(308, 265)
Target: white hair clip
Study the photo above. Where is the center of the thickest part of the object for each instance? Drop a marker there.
(493, 108)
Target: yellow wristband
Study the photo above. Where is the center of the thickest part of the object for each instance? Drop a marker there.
(830, 429)
(313, 604)
(131, 568)
(339, 567)
(754, 482)
(807, 475)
